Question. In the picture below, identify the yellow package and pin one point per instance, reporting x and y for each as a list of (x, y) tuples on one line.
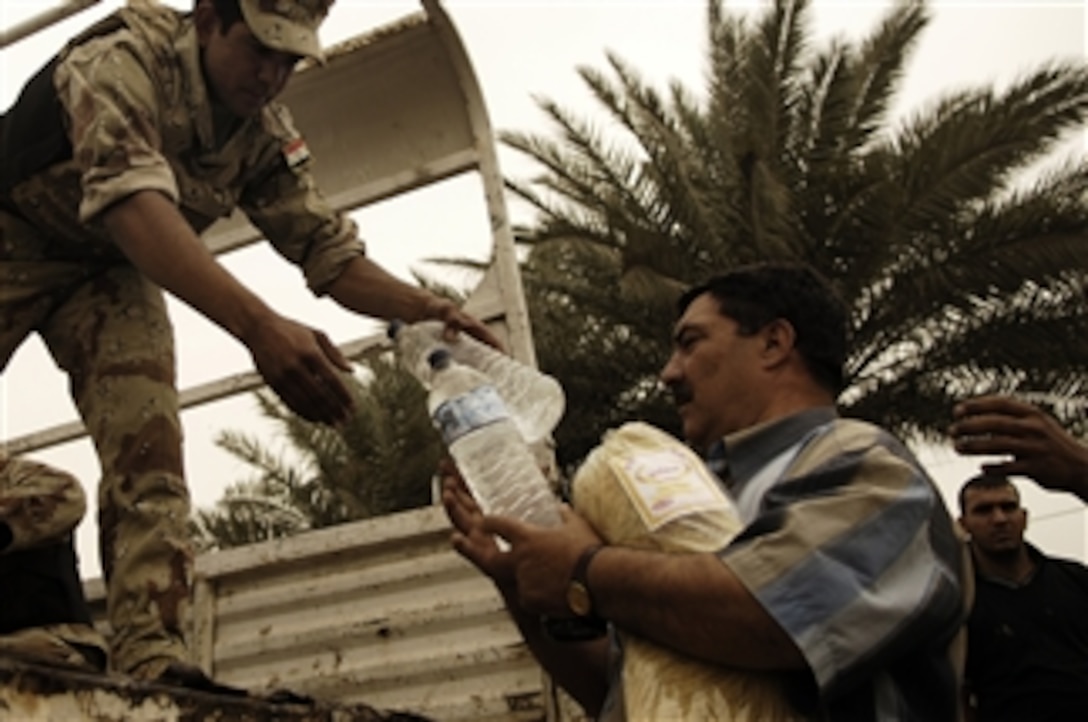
[(642, 488)]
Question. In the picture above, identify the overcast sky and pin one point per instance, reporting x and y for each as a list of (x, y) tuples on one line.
[(521, 49)]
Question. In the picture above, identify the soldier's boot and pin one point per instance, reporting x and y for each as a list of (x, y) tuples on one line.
[(177, 673)]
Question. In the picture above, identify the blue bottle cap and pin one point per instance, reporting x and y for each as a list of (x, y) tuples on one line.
[(439, 358)]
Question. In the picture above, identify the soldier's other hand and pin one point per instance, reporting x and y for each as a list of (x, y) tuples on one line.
[(304, 368)]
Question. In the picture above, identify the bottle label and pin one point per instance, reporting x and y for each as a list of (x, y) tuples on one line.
[(470, 411)]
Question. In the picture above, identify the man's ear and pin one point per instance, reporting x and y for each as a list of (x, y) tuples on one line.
[(779, 338), (205, 20)]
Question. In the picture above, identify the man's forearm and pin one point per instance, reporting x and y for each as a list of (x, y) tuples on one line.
[(691, 603), (580, 668), (158, 240)]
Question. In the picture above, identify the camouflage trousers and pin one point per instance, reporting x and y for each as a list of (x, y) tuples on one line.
[(107, 328)]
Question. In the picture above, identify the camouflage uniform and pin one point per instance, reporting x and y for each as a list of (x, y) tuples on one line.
[(39, 509), (137, 116)]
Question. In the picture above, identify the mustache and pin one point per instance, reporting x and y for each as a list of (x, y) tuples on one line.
[(681, 394)]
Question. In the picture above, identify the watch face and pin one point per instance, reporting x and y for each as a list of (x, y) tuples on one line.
[(578, 599)]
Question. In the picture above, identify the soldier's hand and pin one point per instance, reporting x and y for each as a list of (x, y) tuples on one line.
[(456, 321), (303, 367)]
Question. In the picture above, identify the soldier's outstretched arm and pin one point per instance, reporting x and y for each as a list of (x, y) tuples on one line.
[(38, 504)]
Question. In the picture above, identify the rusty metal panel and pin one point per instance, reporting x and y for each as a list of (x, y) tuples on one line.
[(35, 693), (380, 612)]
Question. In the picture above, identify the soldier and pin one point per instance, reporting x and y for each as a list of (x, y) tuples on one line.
[(144, 130), (43, 613)]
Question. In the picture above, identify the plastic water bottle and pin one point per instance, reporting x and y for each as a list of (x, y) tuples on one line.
[(414, 344), (535, 400), (493, 458)]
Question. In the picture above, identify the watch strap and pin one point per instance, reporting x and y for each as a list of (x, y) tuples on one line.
[(581, 566), (581, 570), (585, 624)]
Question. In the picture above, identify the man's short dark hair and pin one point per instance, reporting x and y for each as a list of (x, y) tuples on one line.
[(228, 12), (985, 481), (757, 294)]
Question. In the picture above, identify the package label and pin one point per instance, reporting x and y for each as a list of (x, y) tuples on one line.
[(668, 484)]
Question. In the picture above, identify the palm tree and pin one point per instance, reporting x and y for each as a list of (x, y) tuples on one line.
[(961, 277), (380, 462)]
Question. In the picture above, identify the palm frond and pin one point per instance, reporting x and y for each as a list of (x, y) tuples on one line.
[(880, 64), (974, 141)]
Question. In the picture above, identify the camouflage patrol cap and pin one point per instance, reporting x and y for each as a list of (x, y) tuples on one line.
[(288, 25)]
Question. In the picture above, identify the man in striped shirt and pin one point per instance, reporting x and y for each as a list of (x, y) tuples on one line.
[(847, 580)]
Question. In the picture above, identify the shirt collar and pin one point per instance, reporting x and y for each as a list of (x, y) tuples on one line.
[(197, 99), (1037, 559), (747, 451), (196, 92)]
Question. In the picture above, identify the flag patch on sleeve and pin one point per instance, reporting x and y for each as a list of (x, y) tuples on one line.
[(296, 152)]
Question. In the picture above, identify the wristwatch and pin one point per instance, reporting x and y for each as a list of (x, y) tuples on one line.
[(579, 598)]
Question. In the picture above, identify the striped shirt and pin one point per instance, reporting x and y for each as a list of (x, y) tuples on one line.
[(852, 551)]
